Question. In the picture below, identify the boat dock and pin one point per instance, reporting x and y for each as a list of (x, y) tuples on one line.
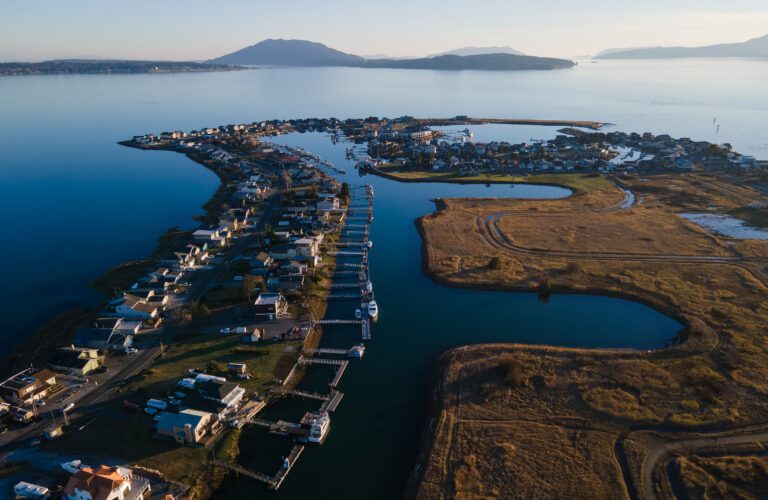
[(339, 322), (273, 482), (358, 287)]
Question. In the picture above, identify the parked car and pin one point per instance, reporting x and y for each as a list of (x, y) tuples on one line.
[(131, 350)]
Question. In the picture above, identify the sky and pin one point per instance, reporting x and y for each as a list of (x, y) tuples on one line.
[(197, 30)]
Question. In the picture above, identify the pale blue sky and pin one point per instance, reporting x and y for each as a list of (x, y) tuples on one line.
[(196, 29)]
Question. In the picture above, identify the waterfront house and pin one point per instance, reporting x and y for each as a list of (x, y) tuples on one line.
[(188, 427), (209, 235), (121, 326), (223, 394), (106, 483), (129, 306), (76, 361), (306, 247), (102, 338), (271, 305), (28, 386)]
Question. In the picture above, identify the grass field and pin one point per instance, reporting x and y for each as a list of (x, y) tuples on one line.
[(648, 231), (716, 377), (130, 432), (263, 361), (742, 477)]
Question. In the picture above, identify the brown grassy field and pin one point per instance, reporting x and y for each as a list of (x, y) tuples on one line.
[(724, 477), (528, 398)]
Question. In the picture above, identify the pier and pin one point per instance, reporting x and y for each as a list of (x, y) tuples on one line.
[(343, 296), (273, 482), (338, 322)]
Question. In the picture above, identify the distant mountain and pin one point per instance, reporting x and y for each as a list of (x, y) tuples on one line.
[(497, 62), (288, 53), (304, 53), (756, 47), (477, 51)]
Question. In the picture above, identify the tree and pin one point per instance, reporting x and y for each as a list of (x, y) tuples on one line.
[(495, 263), (344, 192)]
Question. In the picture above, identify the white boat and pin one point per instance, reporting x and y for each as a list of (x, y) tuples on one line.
[(369, 244), (319, 425), (358, 314), (29, 490), (373, 309), (369, 286), (73, 466)]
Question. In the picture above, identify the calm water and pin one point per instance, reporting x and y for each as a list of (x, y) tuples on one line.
[(375, 430), (73, 203)]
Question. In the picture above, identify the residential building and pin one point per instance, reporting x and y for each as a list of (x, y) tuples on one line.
[(271, 305), (77, 361), (106, 483), (187, 427), (28, 386), (224, 394)]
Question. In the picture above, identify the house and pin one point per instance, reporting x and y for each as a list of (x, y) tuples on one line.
[(77, 361), (222, 393), (252, 337), (260, 263), (106, 483), (272, 305), (328, 205), (108, 333), (306, 247), (187, 427), (133, 307), (287, 283), (28, 386)]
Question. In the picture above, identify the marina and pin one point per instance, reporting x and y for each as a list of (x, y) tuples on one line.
[(315, 425)]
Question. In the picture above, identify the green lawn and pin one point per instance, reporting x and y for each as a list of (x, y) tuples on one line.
[(581, 182), (118, 432), (196, 352)]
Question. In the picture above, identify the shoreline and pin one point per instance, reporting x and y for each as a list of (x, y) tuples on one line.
[(455, 180), (442, 122), (657, 306), (41, 341)]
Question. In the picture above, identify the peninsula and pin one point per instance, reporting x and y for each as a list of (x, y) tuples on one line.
[(217, 331), (98, 67)]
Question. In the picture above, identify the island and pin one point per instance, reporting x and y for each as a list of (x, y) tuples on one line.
[(98, 67), (305, 53)]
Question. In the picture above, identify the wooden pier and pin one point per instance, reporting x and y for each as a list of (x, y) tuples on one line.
[(339, 322), (333, 352), (343, 296), (332, 402), (322, 361), (366, 330), (273, 482)]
